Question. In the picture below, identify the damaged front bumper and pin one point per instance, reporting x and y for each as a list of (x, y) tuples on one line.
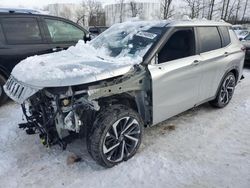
[(19, 91), (54, 113), (57, 118)]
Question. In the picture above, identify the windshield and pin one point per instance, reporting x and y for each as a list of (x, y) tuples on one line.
[(243, 33), (247, 37), (131, 39)]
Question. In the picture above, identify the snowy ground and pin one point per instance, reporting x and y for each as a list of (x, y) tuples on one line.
[(208, 148)]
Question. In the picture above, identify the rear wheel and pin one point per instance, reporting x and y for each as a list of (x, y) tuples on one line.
[(116, 135), (3, 96), (225, 92)]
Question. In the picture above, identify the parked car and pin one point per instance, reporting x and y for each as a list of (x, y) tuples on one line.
[(242, 34), (26, 33), (246, 42), (96, 30), (238, 27), (134, 75), (240, 31)]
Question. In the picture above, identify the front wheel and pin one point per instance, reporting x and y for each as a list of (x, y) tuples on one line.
[(116, 135), (225, 92)]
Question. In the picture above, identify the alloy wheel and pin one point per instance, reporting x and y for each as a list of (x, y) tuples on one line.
[(121, 139), (227, 89)]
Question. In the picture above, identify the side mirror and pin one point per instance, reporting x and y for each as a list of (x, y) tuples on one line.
[(86, 37), (240, 39)]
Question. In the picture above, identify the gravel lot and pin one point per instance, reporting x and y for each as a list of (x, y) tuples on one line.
[(207, 148)]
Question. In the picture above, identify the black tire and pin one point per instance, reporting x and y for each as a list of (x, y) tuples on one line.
[(3, 96), (117, 127), (225, 92)]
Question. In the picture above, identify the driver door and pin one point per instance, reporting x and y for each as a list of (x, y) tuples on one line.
[(175, 75), (62, 34)]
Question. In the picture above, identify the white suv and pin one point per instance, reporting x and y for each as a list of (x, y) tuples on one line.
[(135, 74)]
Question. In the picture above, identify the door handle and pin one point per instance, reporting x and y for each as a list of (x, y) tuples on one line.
[(226, 54), (56, 49), (196, 62)]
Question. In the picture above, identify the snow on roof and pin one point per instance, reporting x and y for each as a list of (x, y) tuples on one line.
[(21, 10), (197, 22)]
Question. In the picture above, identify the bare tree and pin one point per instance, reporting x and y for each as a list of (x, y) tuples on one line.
[(81, 14), (226, 10), (135, 9), (244, 12), (91, 11), (122, 5), (95, 12), (167, 11), (203, 9), (238, 7), (195, 7), (211, 9), (232, 8), (223, 8)]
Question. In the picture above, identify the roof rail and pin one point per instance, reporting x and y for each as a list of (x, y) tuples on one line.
[(19, 10)]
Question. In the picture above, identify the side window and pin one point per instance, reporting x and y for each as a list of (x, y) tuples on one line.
[(225, 36), (247, 37), (21, 30), (61, 31), (181, 44), (209, 38)]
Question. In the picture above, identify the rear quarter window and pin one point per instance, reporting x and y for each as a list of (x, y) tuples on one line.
[(21, 30), (247, 37), (225, 36), (209, 38)]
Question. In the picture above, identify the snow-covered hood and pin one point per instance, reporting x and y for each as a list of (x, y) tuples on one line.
[(78, 65)]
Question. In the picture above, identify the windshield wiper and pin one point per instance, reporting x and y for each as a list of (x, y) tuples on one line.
[(100, 57)]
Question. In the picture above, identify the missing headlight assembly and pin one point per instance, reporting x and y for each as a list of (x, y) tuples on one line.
[(61, 114)]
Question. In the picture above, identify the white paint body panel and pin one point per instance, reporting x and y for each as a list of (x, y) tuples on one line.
[(181, 84)]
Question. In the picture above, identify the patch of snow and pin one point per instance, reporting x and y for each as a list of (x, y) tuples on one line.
[(113, 49), (208, 148)]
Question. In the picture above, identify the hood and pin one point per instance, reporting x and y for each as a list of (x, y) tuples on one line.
[(77, 65)]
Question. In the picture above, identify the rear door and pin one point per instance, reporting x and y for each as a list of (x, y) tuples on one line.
[(62, 33), (175, 75), (23, 37), (214, 58)]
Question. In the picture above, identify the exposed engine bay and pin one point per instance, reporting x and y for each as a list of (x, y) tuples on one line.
[(60, 114)]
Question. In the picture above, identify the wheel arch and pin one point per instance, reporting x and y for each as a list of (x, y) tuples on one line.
[(235, 71), (236, 74), (123, 98), (133, 100)]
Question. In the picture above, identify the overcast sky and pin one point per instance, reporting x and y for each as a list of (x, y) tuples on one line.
[(42, 3), (38, 3)]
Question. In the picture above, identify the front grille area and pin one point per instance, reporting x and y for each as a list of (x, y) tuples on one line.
[(18, 91)]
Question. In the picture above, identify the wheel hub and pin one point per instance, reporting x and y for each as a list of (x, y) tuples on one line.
[(121, 139), (227, 89)]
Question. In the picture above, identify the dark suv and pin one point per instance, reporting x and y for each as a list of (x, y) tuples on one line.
[(25, 33), (96, 30)]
